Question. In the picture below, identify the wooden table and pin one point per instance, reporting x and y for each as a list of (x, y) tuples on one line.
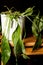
[(29, 43)]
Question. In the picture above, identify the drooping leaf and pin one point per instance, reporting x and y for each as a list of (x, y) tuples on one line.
[(38, 42), (24, 51), (18, 43), (35, 26), (28, 11), (37, 31), (20, 49), (5, 55), (25, 56), (16, 35), (15, 38), (34, 30), (41, 24)]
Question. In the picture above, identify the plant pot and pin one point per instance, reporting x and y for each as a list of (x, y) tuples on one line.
[(6, 22)]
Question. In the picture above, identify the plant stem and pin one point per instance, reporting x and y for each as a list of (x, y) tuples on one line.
[(16, 62), (32, 22)]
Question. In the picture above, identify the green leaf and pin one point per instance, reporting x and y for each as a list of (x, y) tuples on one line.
[(41, 24), (16, 35), (25, 56), (41, 19), (16, 15), (28, 11), (18, 43), (15, 38), (5, 55), (37, 31), (38, 42), (34, 31), (35, 26), (19, 48)]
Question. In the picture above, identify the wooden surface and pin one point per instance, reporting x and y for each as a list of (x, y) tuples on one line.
[(29, 43)]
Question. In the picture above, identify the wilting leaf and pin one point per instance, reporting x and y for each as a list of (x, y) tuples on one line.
[(20, 47), (5, 55), (41, 24), (23, 51), (38, 42), (28, 11), (37, 31), (18, 43), (34, 31), (15, 37), (25, 56)]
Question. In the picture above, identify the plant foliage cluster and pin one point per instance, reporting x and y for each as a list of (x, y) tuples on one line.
[(19, 48)]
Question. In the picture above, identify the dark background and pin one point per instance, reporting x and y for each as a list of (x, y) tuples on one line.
[(21, 5)]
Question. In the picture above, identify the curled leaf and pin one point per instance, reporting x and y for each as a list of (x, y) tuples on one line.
[(28, 11)]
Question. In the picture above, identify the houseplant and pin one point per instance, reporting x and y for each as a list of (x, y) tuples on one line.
[(13, 33), (37, 29)]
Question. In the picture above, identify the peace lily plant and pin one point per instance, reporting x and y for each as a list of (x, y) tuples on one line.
[(37, 29), (12, 26)]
